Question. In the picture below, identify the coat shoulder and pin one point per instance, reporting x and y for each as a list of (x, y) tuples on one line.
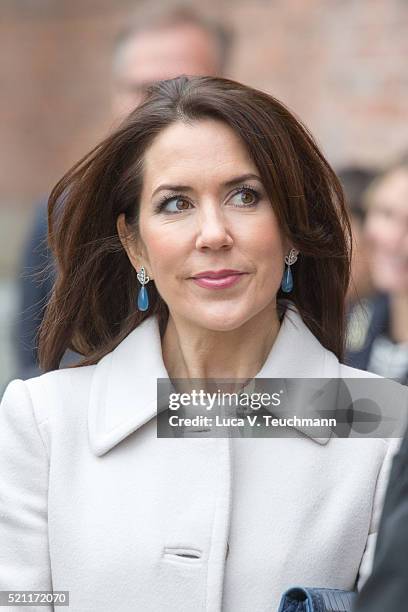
[(59, 391), (350, 372)]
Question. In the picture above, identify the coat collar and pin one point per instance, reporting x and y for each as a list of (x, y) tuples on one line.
[(123, 388)]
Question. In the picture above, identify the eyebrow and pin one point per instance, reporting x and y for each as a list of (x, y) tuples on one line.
[(230, 183)]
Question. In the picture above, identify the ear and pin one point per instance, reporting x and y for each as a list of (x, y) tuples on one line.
[(128, 241), (288, 246)]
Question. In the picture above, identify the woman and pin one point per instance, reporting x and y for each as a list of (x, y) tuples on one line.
[(384, 329), (177, 239)]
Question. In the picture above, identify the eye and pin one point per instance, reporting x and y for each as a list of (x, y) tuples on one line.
[(174, 204), (246, 197)]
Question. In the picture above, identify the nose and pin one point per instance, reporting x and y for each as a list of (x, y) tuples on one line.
[(212, 229)]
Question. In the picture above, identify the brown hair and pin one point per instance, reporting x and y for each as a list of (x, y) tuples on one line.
[(92, 306)]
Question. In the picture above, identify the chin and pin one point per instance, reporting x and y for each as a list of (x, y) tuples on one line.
[(220, 321)]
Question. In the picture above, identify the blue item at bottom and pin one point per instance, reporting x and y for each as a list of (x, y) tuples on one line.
[(300, 599)]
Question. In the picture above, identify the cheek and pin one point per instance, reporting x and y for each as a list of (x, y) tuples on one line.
[(267, 244), (165, 248)]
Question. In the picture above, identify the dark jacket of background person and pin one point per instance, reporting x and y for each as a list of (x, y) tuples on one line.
[(367, 323), (35, 281), (386, 590)]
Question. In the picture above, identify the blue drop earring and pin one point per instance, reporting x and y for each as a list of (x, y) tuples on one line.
[(287, 279), (142, 296)]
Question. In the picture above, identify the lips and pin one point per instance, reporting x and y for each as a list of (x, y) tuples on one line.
[(218, 279), (217, 273)]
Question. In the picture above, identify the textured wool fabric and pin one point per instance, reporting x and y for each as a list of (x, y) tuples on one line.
[(92, 502)]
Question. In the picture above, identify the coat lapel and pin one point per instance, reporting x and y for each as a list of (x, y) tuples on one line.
[(123, 388)]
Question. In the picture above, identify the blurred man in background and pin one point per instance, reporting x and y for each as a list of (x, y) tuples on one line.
[(162, 46), (386, 231), (378, 324)]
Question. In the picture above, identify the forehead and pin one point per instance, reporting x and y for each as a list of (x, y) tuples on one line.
[(168, 52), (205, 150)]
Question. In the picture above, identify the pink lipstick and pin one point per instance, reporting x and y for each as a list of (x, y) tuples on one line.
[(218, 279)]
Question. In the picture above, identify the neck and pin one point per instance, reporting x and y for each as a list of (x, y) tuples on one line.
[(190, 351), (399, 317)]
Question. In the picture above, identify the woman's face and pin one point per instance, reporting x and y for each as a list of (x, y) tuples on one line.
[(387, 233), (204, 210)]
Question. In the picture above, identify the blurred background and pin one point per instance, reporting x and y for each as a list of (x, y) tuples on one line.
[(340, 65)]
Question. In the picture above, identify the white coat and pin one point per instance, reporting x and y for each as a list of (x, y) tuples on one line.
[(92, 502)]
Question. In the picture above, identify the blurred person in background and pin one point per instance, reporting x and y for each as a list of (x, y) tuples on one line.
[(160, 46), (385, 348)]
